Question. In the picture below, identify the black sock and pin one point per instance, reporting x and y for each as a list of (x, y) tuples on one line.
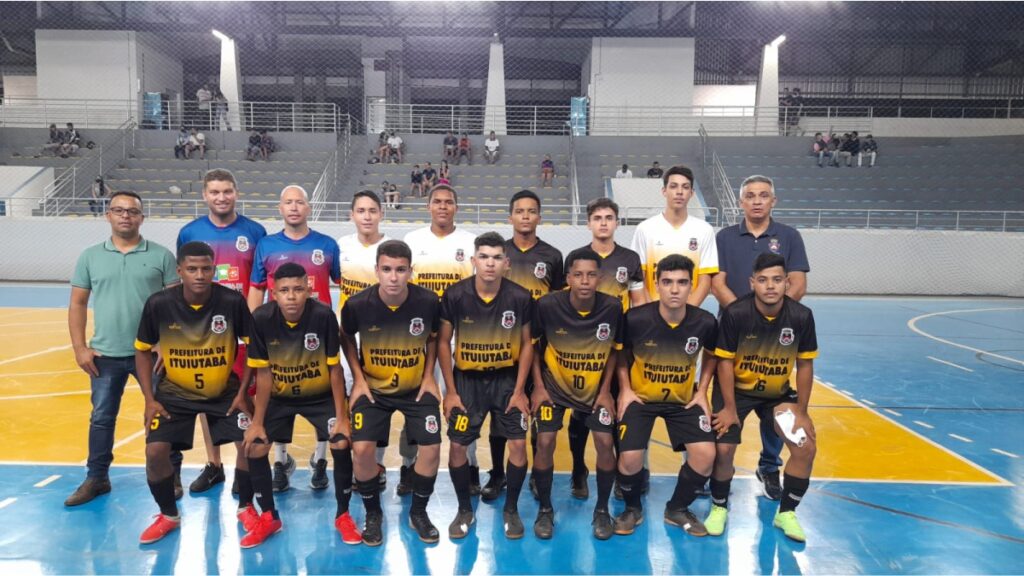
[(544, 479), (422, 488), (369, 490), (262, 483), (342, 478), (605, 482), (460, 479), (687, 485), (720, 492), (793, 490), (245, 488), (630, 486), (515, 477), (498, 456), (578, 434), (163, 493)]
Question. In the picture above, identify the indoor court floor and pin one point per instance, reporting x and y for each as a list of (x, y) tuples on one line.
[(918, 406)]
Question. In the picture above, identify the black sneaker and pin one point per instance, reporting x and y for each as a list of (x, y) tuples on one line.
[(210, 476), (459, 528), (373, 535), (282, 470), (626, 523), (319, 479), (770, 486), (544, 526), (602, 524), (513, 524), (382, 478), (494, 487), (178, 491), (88, 490), (580, 489), (533, 488), (404, 487), (425, 529), (474, 481), (686, 520)]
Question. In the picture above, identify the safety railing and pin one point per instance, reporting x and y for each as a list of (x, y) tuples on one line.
[(633, 215), (880, 219), (574, 184), (438, 119), (76, 180), (714, 169), (41, 112)]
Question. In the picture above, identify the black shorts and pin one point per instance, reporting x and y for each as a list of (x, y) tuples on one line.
[(685, 426), (371, 421), (484, 393), (279, 421), (745, 404), (179, 430), (548, 418)]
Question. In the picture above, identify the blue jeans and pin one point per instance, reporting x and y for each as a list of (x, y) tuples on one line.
[(771, 443), (107, 389)]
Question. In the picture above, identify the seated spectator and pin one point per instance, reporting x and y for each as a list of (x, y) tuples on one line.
[(491, 147), (820, 149), (382, 146), (71, 141), (392, 196), (834, 144), (196, 141), (266, 145), (465, 149), (395, 146), (444, 175), (655, 171), (451, 146), (849, 149), (181, 144), (429, 177), (100, 190), (53, 141), (252, 150), (416, 188), (547, 171), (625, 172), (868, 148)]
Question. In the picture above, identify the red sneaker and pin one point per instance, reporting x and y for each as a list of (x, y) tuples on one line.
[(266, 526), (347, 528), (248, 516), (161, 527)]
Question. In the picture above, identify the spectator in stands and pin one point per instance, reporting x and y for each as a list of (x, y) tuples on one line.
[(868, 148), (71, 141), (54, 141), (834, 144), (100, 190), (253, 148), (451, 146), (547, 171), (196, 141), (625, 172), (444, 175), (786, 99), (429, 177), (204, 97), (266, 145), (181, 144), (849, 149), (382, 146), (385, 187), (220, 109), (655, 171), (392, 196), (465, 149), (491, 147), (820, 149), (395, 144), (416, 188)]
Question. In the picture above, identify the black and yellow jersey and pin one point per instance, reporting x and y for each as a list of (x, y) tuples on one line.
[(576, 346), (764, 350), (298, 355), (198, 343), (538, 269), (662, 357), (620, 272), (488, 334), (392, 342)]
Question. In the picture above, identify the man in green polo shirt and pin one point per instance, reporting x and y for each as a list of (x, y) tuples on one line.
[(120, 274)]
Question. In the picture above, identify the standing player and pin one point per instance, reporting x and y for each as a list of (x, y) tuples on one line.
[(675, 232), (318, 254), (392, 362), (577, 332), (197, 326), (761, 338), (233, 238), (298, 373), (490, 319), (662, 344)]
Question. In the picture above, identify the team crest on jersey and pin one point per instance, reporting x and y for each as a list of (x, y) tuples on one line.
[(786, 337), (604, 331), (318, 256), (604, 417), (621, 274), (244, 421), (312, 341), (242, 244), (692, 345), (218, 324), (704, 424), (416, 326), (540, 270), (431, 424), (693, 244), (460, 255), (773, 245), (508, 319)]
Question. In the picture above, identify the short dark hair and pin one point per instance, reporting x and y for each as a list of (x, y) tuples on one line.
[(219, 174), (290, 270), (430, 195), (677, 170), (366, 194), (599, 203), (674, 262), (394, 249), (127, 193), (195, 249), (530, 194), (585, 253), (489, 239), (768, 260)]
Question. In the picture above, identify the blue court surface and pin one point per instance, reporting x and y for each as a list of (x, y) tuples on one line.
[(920, 417)]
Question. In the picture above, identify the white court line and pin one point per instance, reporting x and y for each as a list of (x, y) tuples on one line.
[(847, 392), (912, 324), (1004, 453), (34, 354), (7, 502), (961, 438), (46, 482), (33, 323), (948, 363), (128, 439), (868, 402), (893, 412), (47, 373), (48, 395), (924, 424)]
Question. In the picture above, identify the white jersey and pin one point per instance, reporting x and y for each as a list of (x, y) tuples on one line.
[(656, 238), (358, 263), (439, 262)]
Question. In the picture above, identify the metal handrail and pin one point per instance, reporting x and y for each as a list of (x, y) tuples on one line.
[(65, 188), (574, 184), (719, 178)]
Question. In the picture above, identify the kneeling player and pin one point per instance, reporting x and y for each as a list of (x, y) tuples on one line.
[(662, 343), (760, 337), (298, 373), (577, 331), (392, 370), (198, 325)]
